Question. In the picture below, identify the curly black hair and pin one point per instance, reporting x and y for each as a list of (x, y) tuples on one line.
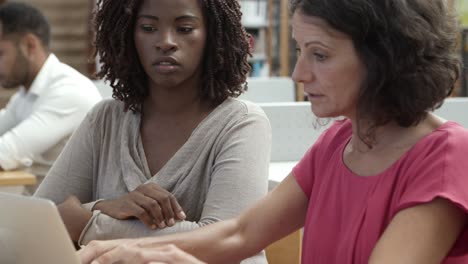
[(409, 49), (225, 65), (20, 18)]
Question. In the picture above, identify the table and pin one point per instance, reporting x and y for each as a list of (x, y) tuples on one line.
[(14, 181)]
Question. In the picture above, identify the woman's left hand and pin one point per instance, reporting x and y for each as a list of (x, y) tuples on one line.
[(74, 216), (133, 251)]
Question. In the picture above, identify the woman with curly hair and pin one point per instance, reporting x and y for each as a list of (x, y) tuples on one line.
[(388, 183), (176, 150)]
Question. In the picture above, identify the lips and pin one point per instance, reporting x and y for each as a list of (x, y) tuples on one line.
[(166, 65), (166, 61), (313, 94), (314, 97)]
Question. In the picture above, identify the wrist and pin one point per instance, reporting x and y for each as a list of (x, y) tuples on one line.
[(75, 217), (81, 221), (99, 205)]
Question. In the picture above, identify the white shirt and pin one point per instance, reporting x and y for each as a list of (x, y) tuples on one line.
[(35, 123)]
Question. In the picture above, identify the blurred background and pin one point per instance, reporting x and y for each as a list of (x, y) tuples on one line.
[(268, 21)]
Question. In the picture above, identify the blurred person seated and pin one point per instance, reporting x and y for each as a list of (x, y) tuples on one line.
[(52, 98)]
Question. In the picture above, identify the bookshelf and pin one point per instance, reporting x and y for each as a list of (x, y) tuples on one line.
[(269, 22), (257, 22)]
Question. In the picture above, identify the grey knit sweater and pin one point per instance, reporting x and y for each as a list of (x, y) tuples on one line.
[(218, 172)]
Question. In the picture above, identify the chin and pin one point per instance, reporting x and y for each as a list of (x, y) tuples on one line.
[(324, 114), (318, 112), (165, 82)]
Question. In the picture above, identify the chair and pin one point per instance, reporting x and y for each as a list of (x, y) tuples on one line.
[(269, 89), (286, 250), (455, 109), (292, 126)]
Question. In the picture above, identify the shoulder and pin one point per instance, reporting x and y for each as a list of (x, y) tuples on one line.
[(107, 109), (455, 133), (234, 119), (240, 111), (65, 73), (449, 139), (243, 108), (438, 159), (435, 167), (62, 77)]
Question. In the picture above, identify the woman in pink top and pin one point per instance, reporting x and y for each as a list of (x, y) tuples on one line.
[(386, 184)]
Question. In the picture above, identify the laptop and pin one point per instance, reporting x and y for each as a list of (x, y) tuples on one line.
[(31, 231)]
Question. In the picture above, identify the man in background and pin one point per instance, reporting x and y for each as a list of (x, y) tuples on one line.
[(52, 99)]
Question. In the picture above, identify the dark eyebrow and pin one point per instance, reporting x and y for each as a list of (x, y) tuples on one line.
[(178, 18), (188, 17), (147, 16)]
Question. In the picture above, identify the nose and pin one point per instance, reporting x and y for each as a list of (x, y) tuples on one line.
[(303, 71), (166, 42)]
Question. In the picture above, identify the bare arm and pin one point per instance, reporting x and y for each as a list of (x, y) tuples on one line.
[(283, 210), (420, 234)]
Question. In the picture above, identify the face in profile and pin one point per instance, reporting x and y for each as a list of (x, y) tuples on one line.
[(328, 66), (13, 64), (170, 37)]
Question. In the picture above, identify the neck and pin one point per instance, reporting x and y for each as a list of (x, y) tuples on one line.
[(394, 136), (174, 102), (383, 136)]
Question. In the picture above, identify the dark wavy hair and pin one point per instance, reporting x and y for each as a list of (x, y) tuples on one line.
[(225, 66), (17, 19), (408, 47)]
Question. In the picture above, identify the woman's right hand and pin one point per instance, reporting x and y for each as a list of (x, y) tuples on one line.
[(150, 203), (133, 251)]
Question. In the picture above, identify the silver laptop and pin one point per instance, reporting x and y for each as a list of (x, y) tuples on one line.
[(32, 232)]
